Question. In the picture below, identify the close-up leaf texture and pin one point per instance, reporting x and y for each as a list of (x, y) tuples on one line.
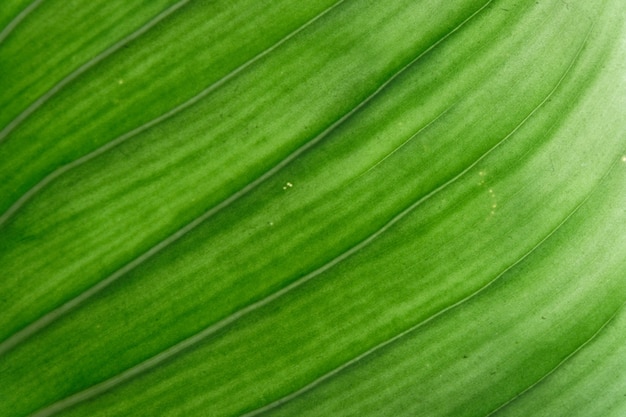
[(313, 208)]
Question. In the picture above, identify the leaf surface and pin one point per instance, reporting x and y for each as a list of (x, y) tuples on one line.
[(341, 208)]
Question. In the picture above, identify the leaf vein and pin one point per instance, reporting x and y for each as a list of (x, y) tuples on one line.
[(19, 18), (560, 364), (33, 107), (15, 207), (58, 312), (441, 312), (185, 344)]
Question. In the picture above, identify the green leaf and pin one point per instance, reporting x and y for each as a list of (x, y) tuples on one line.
[(336, 208)]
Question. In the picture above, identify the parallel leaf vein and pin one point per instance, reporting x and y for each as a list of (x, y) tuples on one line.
[(185, 344), (474, 295), (34, 106), (19, 18), (558, 366), (58, 312), (151, 123)]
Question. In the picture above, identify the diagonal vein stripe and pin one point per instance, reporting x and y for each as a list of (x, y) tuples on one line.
[(47, 180), (86, 66), (19, 19), (58, 312)]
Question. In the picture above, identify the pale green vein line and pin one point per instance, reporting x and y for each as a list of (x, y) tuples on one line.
[(413, 328), (560, 364), (185, 344), (19, 19), (417, 133), (86, 66), (165, 116), (413, 136), (53, 315)]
